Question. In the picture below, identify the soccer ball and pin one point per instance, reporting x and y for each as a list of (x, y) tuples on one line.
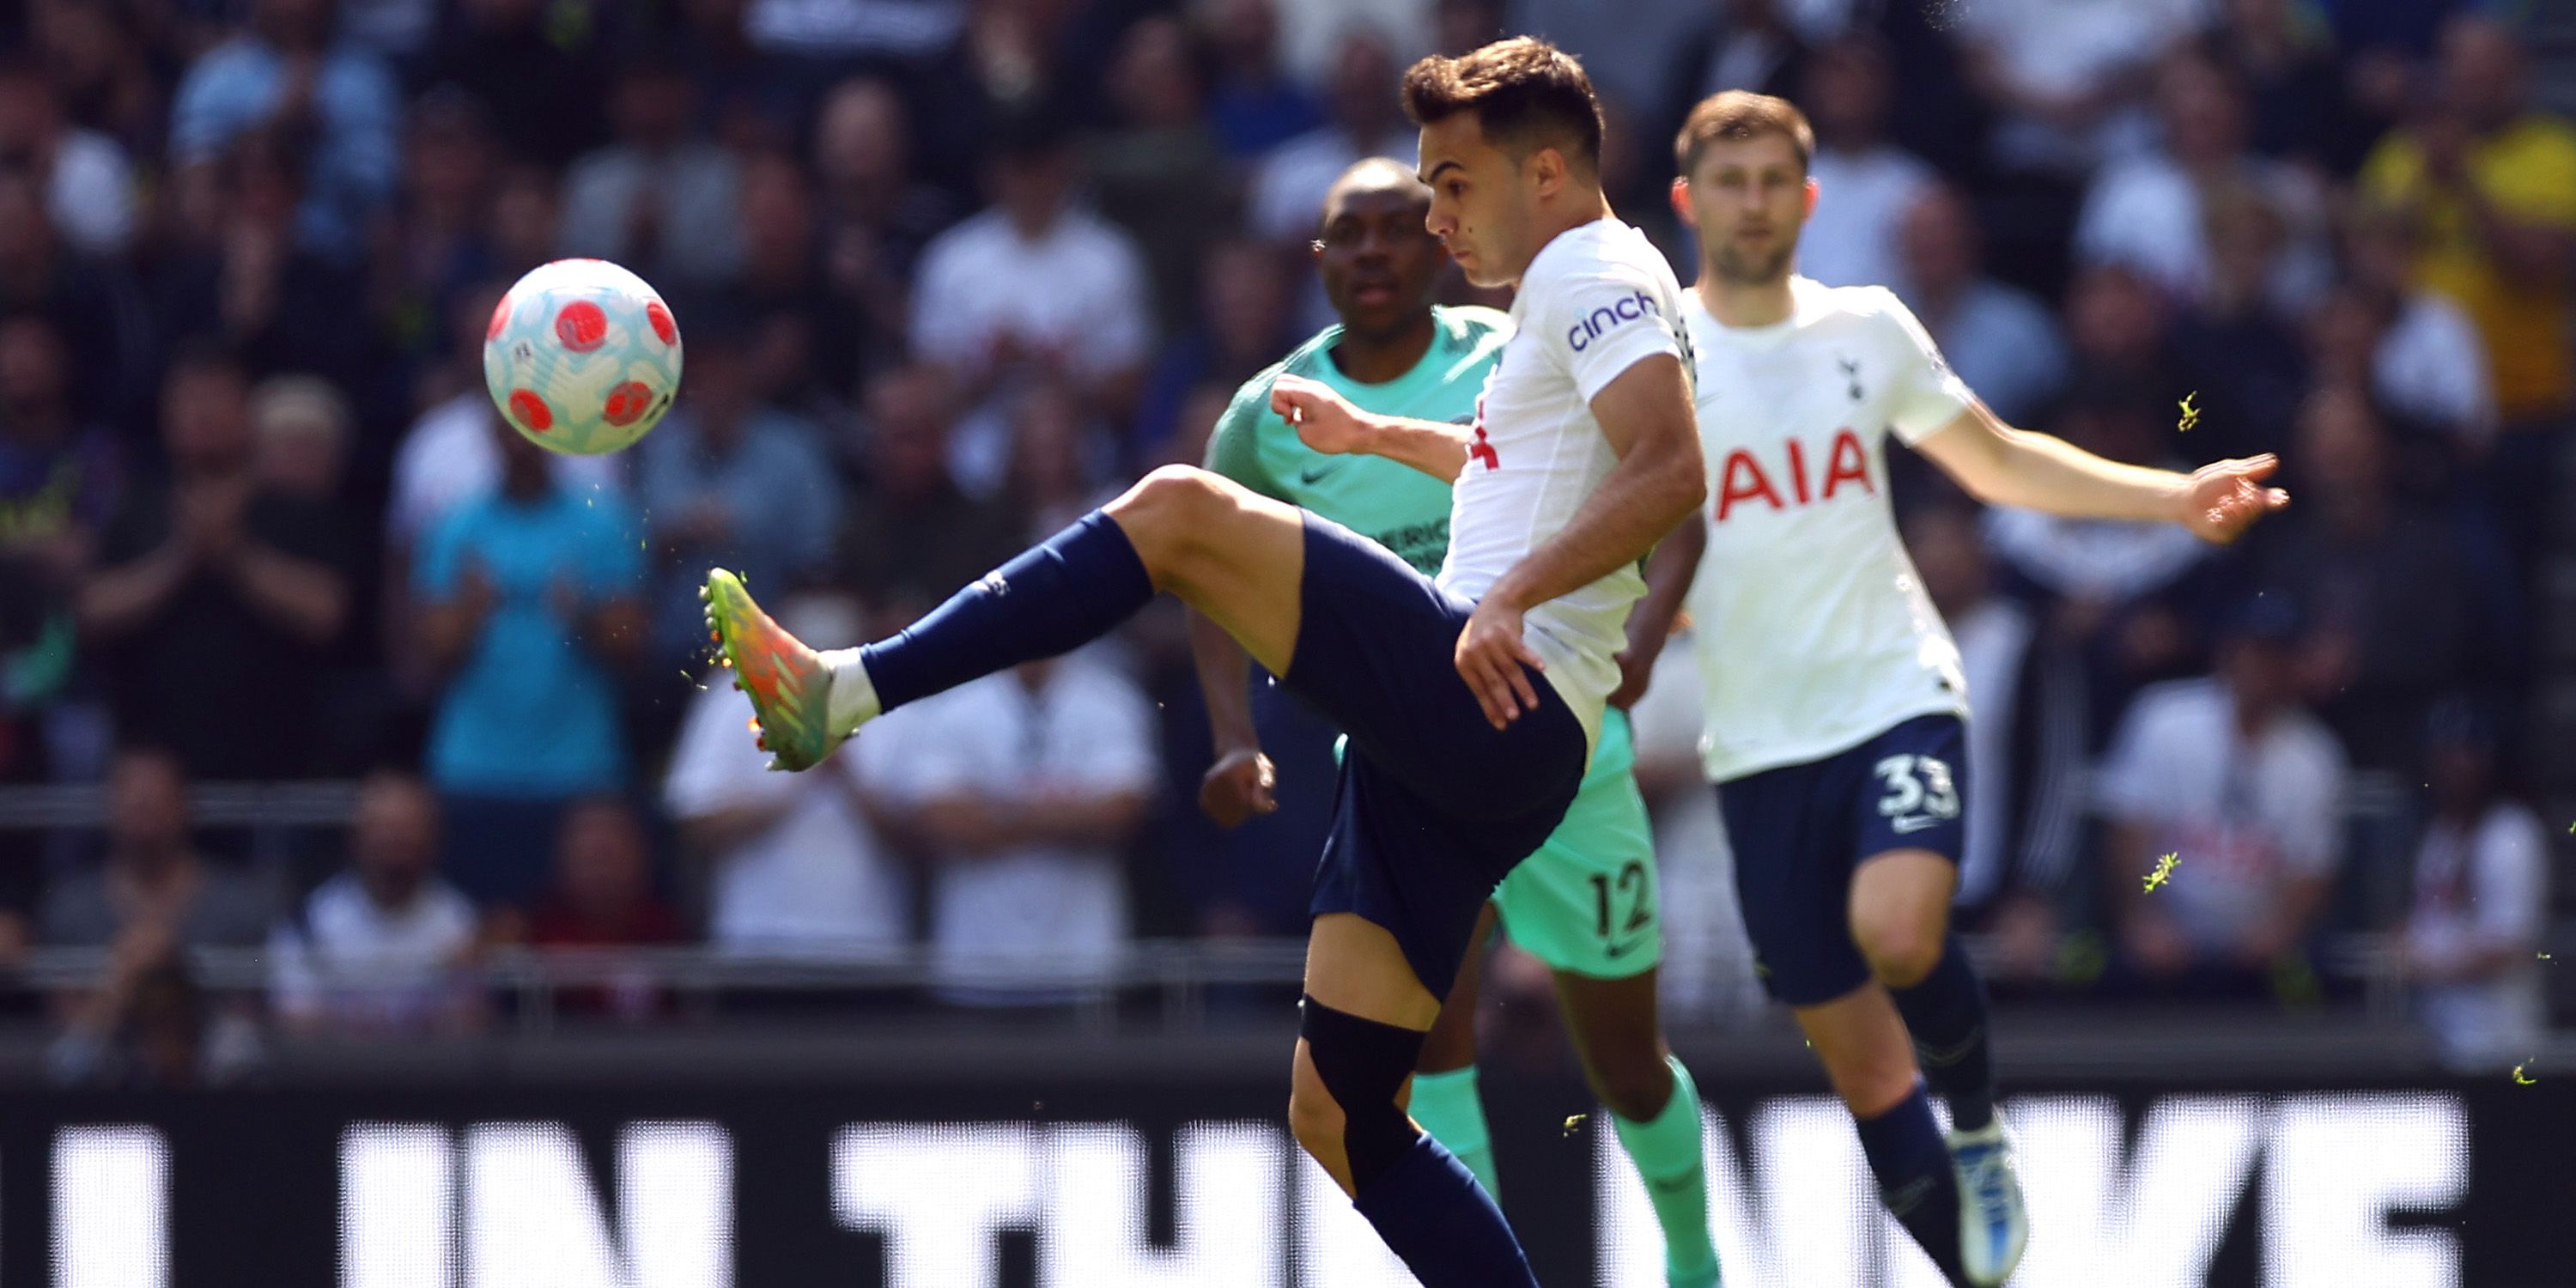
[(582, 357)]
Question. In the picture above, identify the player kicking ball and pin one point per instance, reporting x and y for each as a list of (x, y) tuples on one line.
[(1585, 902), (1472, 701), (1835, 699)]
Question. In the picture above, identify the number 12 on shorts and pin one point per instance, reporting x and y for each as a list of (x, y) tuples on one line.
[(1632, 887), (1920, 792)]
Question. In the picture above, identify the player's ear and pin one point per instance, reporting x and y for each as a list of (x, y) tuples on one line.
[(1811, 198), (1682, 208), (1547, 168)]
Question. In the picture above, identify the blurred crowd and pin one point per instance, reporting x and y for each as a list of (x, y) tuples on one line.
[(949, 271)]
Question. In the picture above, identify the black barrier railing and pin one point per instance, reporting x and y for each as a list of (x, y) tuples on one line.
[(1173, 976)]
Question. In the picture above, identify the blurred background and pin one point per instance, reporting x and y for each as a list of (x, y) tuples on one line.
[(384, 873)]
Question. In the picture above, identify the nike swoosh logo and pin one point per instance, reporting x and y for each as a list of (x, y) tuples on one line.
[(1915, 824), (1316, 475)]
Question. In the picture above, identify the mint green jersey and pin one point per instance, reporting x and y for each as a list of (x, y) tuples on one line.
[(1397, 506)]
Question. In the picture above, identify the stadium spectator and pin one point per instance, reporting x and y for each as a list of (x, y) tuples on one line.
[(1159, 171), (381, 946), (152, 903), (794, 863), (2233, 346), (1057, 464), (912, 536), (2391, 618), (1025, 786), (2492, 186), (246, 282), (2232, 777), (89, 188), (603, 898), (542, 78), (657, 198), (1035, 283), (2115, 331), (1995, 635), (2298, 110), (326, 100), (2152, 212), (1865, 184), (876, 213), (1366, 121), (103, 74), (60, 475), (216, 593), (807, 340), (2000, 340), (530, 610), (729, 480), (450, 456), (435, 243), (1253, 106), (1243, 324), (2481, 899), (1740, 44), (87, 303), (2425, 359), (300, 426), (2063, 77), (152, 882)]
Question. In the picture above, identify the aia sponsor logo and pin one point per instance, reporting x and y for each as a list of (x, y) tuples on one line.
[(1744, 480)]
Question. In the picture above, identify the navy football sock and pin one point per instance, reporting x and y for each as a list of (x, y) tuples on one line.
[(1052, 598), (1429, 1209), (1946, 1013), (1912, 1165)]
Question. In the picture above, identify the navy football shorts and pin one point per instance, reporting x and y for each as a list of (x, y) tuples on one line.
[(1799, 832), (1434, 803)]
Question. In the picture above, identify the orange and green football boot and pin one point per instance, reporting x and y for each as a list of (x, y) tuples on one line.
[(789, 686)]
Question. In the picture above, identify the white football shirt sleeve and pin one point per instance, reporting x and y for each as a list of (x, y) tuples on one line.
[(1604, 319), (1928, 395)]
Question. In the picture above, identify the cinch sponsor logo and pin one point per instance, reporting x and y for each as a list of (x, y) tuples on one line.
[(1610, 315)]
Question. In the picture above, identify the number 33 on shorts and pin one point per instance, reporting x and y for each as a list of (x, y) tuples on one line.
[(1920, 792)]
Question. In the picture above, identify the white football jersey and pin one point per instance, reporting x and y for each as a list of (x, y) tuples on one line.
[(1593, 302), (1813, 631)]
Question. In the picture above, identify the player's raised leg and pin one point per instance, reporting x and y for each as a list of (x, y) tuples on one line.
[(1235, 556), (1359, 1034), (1654, 1106), (1446, 1099), (1900, 918)]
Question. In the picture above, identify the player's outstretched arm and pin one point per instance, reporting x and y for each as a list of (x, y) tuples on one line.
[(2001, 465), (1238, 784), (1329, 423), (1645, 413)]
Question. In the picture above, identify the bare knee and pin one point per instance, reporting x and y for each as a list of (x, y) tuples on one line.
[(1902, 950), (1165, 510), (1872, 1081), (1315, 1121), (1635, 1084)]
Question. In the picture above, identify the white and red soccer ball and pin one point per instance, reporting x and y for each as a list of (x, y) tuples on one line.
[(582, 357)]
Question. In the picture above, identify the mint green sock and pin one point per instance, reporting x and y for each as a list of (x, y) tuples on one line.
[(1667, 1153), (1447, 1106)]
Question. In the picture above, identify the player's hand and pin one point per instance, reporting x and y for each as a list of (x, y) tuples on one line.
[(1325, 421), (1238, 786), (2224, 498), (1636, 667), (1491, 657)]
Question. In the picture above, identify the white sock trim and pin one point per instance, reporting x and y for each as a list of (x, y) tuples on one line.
[(852, 699)]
